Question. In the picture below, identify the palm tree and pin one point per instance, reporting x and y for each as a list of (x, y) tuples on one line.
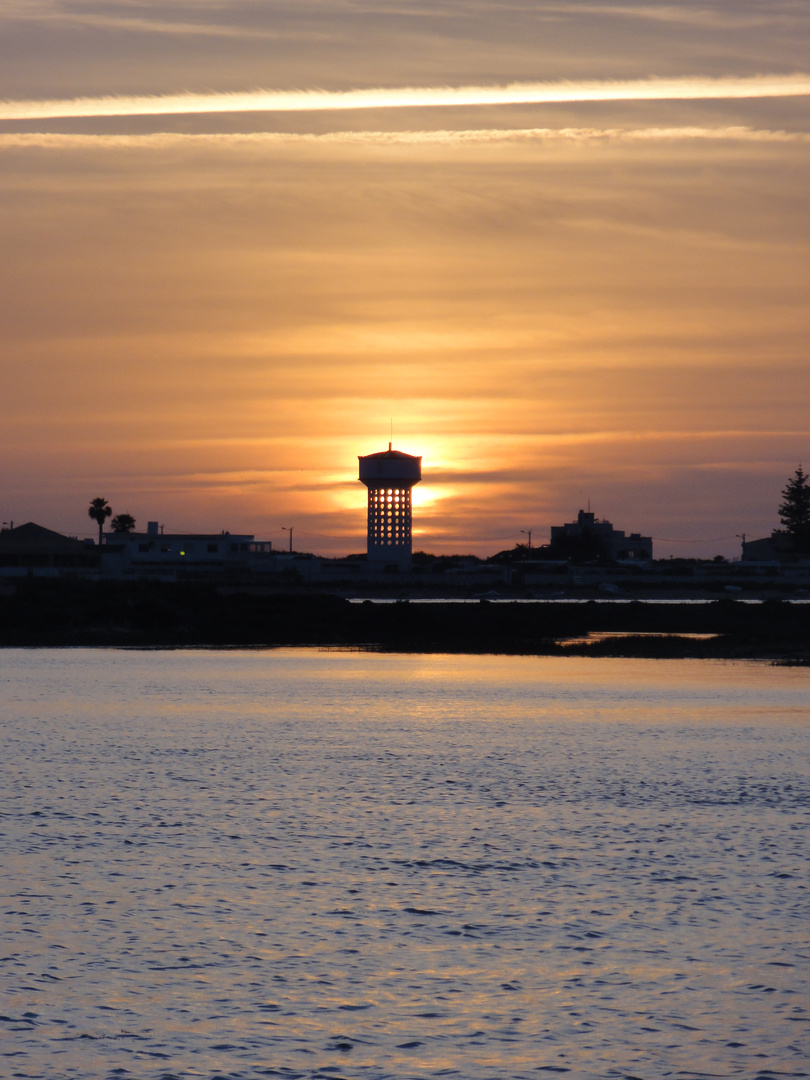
[(123, 523), (99, 511)]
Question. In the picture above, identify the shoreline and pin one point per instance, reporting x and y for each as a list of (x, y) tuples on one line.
[(177, 615)]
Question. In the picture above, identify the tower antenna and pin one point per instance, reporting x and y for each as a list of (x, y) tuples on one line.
[(391, 433)]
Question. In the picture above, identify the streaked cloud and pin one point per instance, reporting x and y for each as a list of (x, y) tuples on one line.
[(155, 26), (653, 89), (705, 15), (159, 140), (145, 18)]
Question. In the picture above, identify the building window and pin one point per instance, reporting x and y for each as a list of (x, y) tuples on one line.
[(212, 548)]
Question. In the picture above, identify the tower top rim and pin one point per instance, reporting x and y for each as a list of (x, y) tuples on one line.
[(389, 455)]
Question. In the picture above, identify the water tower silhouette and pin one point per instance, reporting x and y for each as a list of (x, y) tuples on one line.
[(389, 477)]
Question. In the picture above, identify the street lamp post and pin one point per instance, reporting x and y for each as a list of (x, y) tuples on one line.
[(290, 531)]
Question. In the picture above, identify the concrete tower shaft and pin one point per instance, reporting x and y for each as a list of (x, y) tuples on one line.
[(389, 477)]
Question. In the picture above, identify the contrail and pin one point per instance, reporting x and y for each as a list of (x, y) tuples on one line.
[(653, 89)]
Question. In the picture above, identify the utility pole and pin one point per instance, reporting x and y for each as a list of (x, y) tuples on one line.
[(290, 531), (528, 532)]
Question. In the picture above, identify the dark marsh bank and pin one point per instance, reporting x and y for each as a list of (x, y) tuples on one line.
[(159, 614)]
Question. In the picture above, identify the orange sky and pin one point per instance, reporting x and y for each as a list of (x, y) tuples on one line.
[(206, 316)]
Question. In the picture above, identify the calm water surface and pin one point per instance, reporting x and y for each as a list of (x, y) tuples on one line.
[(332, 864)]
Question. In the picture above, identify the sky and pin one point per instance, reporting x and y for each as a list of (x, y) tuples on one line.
[(559, 249)]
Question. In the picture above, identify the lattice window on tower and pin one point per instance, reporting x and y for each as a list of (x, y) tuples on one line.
[(389, 516)]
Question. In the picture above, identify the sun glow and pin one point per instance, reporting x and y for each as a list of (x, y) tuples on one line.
[(614, 310), (428, 497)]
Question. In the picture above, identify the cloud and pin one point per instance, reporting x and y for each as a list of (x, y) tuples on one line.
[(162, 140), (148, 18), (653, 89), (153, 26), (702, 16)]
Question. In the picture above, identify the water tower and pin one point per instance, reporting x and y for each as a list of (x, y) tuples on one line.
[(389, 477)]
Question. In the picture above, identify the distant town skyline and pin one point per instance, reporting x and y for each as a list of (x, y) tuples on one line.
[(542, 536), (565, 250)]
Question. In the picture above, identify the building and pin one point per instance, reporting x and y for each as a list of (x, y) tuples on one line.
[(169, 555), (32, 550), (389, 476), (779, 547), (588, 536)]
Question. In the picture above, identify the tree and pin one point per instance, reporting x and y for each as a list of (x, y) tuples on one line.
[(123, 523), (99, 511), (794, 512)]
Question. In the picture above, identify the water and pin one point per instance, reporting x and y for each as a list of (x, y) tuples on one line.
[(334, 864)]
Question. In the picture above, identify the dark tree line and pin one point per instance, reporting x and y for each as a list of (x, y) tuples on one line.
[(794, 511), (100, 510)]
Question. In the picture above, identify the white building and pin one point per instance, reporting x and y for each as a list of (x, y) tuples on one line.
[(158, 554)]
